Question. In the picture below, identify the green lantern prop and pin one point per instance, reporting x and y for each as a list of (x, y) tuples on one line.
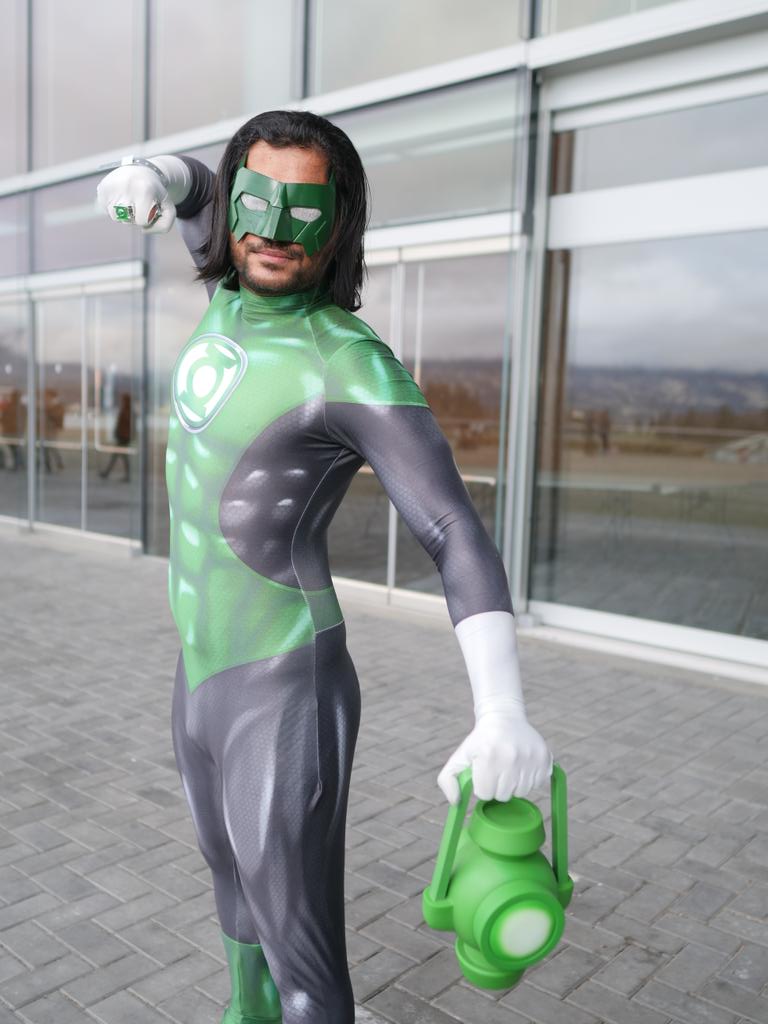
[(494, 887)]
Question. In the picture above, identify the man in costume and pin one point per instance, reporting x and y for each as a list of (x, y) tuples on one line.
[(277, 400)]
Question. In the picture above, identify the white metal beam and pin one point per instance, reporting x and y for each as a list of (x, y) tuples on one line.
[(615, 38), (452, 229), (697, 649), (702, 205), (719, 90), (78, 280)]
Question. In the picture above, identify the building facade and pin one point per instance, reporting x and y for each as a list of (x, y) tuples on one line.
[(566, 248)]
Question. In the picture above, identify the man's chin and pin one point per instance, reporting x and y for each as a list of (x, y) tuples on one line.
[(272, 284), (275, 282)]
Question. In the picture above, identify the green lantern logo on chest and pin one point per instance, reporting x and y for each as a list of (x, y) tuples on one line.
[(208, 371)]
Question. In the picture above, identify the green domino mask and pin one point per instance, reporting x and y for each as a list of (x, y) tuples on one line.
[(286, 211)]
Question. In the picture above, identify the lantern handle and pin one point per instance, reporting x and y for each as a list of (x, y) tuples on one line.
[(559, 801), (445, 855), (455, 819)]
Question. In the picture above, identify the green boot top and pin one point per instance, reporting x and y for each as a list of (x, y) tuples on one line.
[(255, 999)]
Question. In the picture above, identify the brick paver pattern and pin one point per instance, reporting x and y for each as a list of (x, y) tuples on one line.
[(106, 906)]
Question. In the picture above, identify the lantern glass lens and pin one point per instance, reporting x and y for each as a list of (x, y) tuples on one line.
[(523, 931)]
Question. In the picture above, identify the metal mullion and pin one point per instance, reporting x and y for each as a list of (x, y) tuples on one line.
[(33, 312), (521, 467), (30, 85), (505, 433), (301, 48), (83, 412), (146, 68), (397, 317), (419, 333)]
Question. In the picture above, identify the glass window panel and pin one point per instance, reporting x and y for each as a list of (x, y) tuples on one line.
[(213, 61), (13, 88), (455, 348), (60, 412), (447, 154), (559, 15), (113, 349), (87, 92), (175, 305), (357, 537), (652, 487), (365, 40), (69, 230), (675, 144), (14, 334), (14, 235)]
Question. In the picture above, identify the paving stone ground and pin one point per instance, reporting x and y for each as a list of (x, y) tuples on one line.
[(106, 907)]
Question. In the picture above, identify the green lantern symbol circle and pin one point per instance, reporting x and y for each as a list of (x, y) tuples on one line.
[(207, 372)]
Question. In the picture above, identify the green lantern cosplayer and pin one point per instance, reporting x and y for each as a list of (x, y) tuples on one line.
[(278, 398)]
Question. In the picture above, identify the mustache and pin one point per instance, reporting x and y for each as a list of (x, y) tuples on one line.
[(284, 247)]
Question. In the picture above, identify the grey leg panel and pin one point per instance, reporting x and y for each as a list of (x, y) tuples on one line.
[(282, 732)]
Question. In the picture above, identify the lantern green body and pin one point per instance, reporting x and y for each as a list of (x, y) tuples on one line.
[(494, 887)]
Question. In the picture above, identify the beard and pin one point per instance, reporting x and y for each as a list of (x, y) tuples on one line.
[(297, 275)]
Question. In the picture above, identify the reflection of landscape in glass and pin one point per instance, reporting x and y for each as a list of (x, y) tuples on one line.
[(455, 348), (86, 413), (652, 492), (357, 536), (454, 329), (13, 409), (465, 396)]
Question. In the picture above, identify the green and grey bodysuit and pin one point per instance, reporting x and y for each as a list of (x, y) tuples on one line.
[(276, 403)]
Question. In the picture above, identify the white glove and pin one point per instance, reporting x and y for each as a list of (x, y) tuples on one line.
[(149, 197), (507, 755)]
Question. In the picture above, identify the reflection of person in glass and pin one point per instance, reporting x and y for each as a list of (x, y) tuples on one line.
[(51, 425), (13, 424), (604, 430), (277, 400), (122, 438)]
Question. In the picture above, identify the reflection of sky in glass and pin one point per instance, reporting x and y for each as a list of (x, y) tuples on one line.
[(445, 154), (465, 302), (13, 69), (359, 41), (87, 84), (242, 73), (71, 232), (699, 303), (14, 232), (699, 140), (559, 15), (465, 306)]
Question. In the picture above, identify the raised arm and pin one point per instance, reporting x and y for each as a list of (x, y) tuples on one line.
[(374, 408), (152, 193)]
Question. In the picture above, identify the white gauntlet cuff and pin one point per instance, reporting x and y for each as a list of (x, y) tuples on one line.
[(488, 643)]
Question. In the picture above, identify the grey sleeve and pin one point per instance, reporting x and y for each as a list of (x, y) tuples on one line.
[(408, 452), (194, 213)]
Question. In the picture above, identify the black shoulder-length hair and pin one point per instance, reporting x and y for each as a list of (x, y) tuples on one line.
[(346, 266)]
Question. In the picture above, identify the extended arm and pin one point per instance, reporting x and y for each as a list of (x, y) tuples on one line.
[(403, 444), (153, 193)]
